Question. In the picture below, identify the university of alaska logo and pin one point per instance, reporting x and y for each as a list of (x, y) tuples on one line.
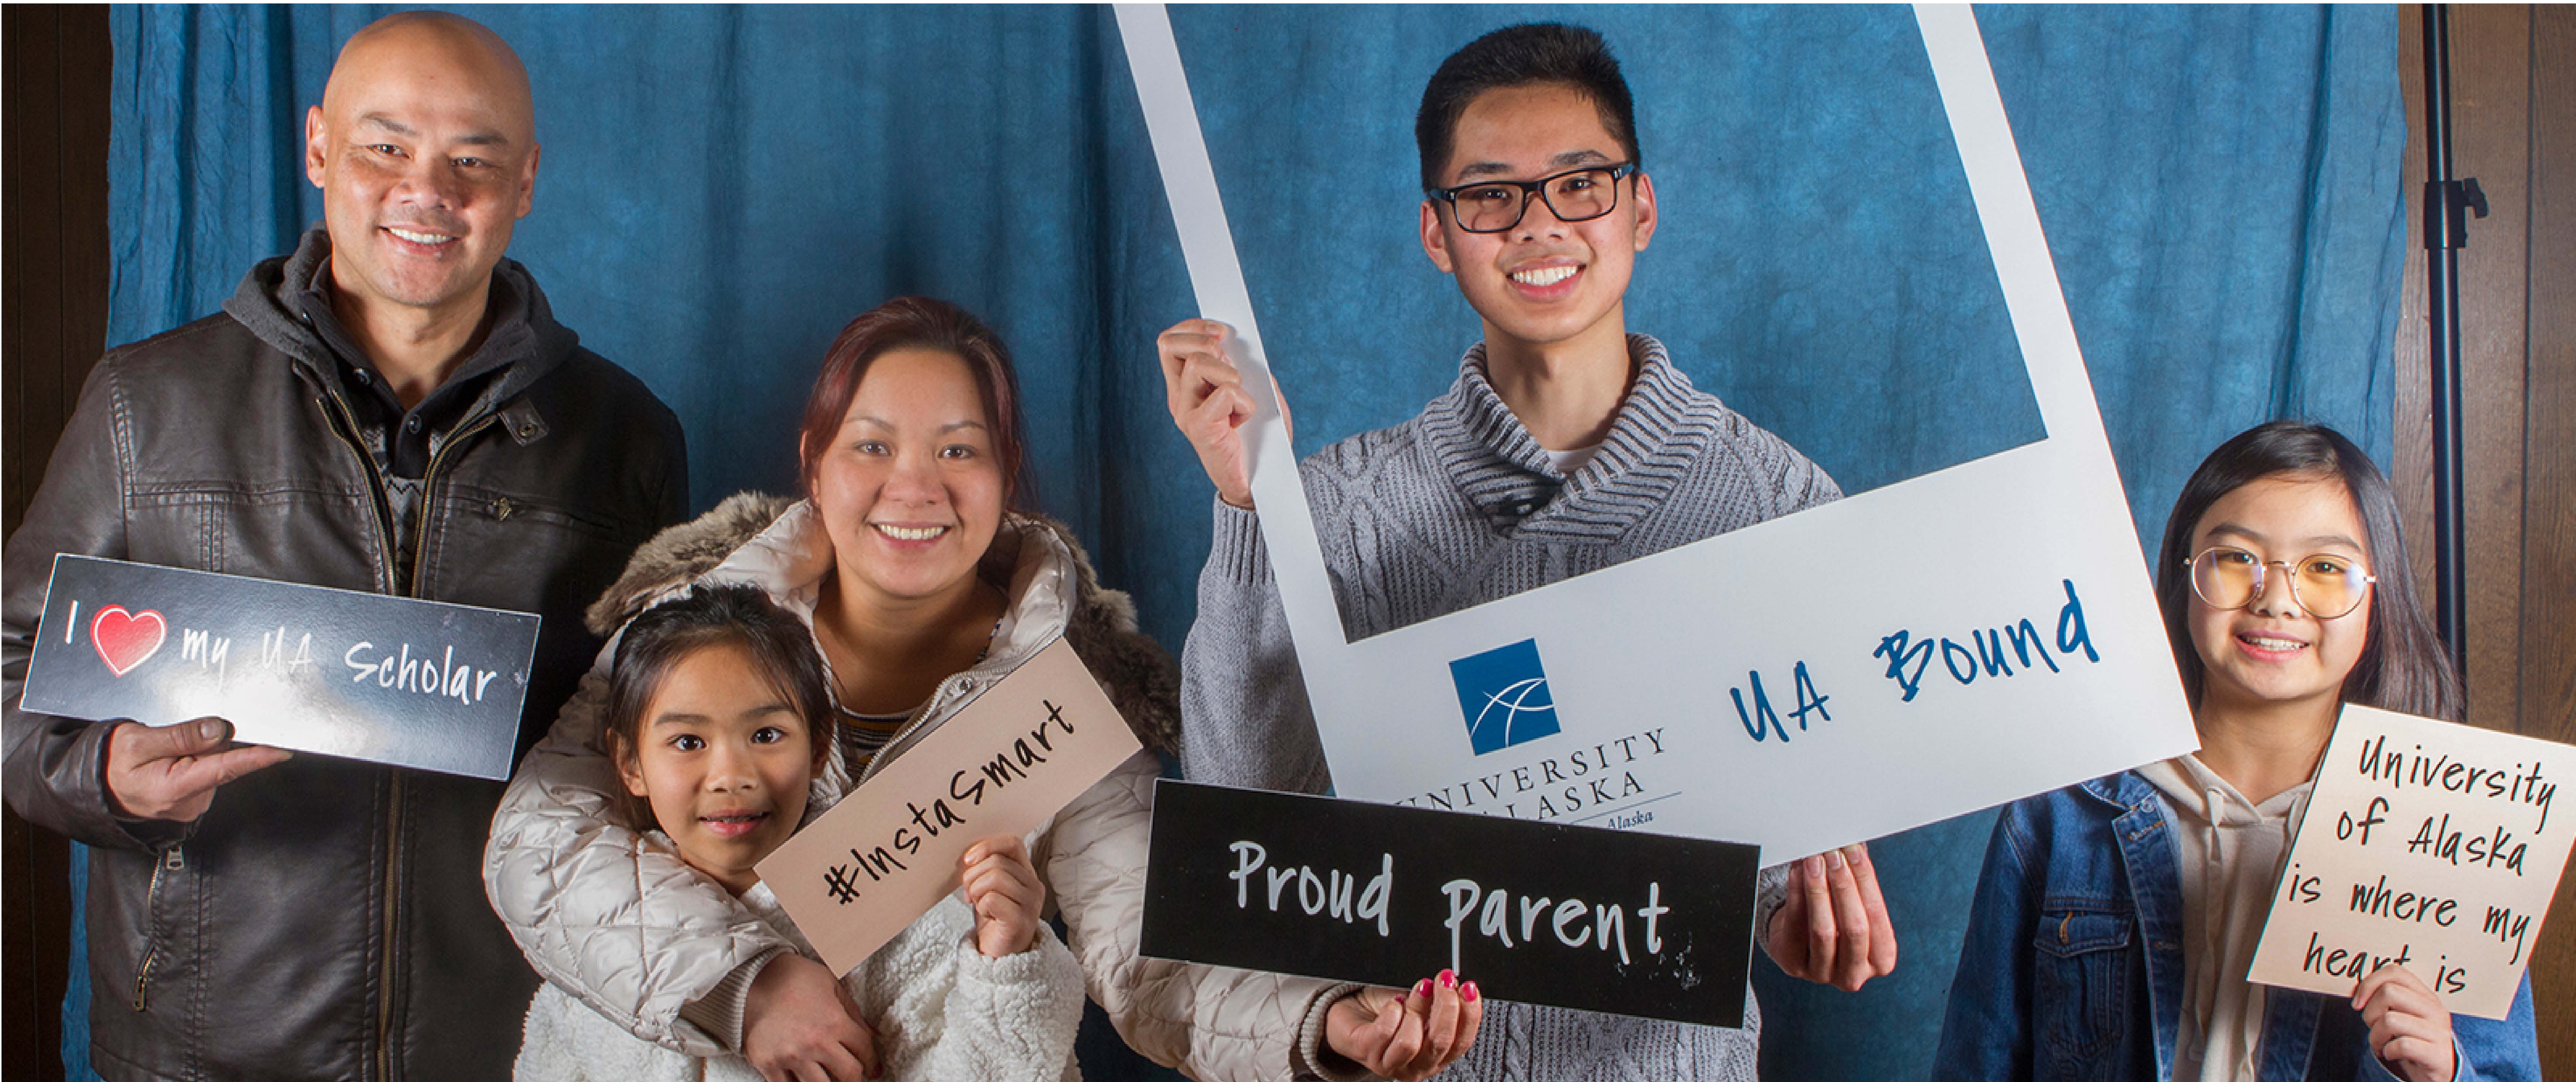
[(1504, 694)]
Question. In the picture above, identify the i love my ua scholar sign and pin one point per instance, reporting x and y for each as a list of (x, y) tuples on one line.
[(392, 680)]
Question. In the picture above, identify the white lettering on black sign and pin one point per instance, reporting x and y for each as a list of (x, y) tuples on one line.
[(1581, 917)]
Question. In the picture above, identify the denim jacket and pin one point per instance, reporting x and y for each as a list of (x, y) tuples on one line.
[(2072, 967)]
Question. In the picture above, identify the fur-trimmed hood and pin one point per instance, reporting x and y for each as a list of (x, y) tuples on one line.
[(1137, 672)]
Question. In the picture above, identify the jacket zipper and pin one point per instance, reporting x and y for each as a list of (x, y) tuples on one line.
[(429, 490), (393, 903), (393, 817), (347, 430), (170, 861), (393, 803), (939, 697)]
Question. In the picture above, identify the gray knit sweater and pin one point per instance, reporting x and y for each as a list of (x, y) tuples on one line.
[(1454, 508)]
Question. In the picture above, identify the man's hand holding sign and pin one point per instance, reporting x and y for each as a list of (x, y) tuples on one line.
[(1832, 927), (171, 772), (1204, 390)]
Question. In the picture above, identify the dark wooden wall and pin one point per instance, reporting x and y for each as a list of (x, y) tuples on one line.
[(2514, 108), (2513, 116), (53, 286)]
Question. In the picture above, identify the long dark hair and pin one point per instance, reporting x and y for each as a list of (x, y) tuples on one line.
[(2402, 666)]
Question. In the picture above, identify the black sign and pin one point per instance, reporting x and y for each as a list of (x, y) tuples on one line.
[(367, 676), (1545, 913)]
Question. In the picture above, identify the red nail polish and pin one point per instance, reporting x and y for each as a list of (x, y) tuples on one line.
[(1448, 978), (1468, 990), (1423, 989)]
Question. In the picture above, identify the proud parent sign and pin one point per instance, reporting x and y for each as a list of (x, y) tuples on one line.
[(1627, 923), (393, 680), (1799, 684), (2428, 844)]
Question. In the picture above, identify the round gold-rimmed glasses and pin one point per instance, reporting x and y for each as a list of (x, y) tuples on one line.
[(2325, 585)]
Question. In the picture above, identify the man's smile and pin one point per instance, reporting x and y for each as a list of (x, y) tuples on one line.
[(1549, 278), (1544, 276)]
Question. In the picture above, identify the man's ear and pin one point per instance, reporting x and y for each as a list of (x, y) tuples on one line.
[(1645, 198), (317, 145), (1435, 243), (528, 180)]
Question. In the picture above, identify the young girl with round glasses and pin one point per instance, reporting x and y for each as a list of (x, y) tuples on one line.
[(2116, 919)]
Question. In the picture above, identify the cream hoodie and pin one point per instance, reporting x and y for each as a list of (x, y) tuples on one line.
[(2229, 851)]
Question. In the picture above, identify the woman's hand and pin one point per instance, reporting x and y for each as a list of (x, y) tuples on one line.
[(1006, 894), (2409, 1030), (1205, 392), (1406, 1036), (798, 1025), (1833, 929)]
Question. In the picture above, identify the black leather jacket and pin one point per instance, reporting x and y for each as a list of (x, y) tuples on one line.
[(326, 919)]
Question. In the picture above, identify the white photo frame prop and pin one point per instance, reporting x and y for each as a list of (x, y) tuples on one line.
[(1951, 642)]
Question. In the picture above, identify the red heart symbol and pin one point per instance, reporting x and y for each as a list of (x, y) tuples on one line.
[(124, 640)]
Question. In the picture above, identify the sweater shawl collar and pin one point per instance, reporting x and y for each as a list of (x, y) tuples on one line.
[(1660, 430)]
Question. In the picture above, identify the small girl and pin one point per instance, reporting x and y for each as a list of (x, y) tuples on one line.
[(711, 720), (2116, 920)]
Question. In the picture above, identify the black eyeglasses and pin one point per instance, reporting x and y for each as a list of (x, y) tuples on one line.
[(1576, 195)]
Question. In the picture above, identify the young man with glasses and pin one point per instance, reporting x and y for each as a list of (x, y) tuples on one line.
[(1566, 445)]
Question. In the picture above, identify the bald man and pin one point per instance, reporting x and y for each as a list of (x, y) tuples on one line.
[(391, 408)]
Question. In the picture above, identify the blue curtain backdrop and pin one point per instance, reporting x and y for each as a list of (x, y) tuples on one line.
[(722, 188)]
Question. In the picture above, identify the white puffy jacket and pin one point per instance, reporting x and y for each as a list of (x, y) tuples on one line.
[(635, 934), (942, 1012)]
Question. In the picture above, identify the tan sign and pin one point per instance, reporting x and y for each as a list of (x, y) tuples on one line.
[(1003, 765), (2428, 844)]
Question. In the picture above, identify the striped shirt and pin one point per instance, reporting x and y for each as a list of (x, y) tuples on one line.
[(862, 736)]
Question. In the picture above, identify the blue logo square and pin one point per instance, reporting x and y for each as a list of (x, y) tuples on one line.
[(1504, 695)]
